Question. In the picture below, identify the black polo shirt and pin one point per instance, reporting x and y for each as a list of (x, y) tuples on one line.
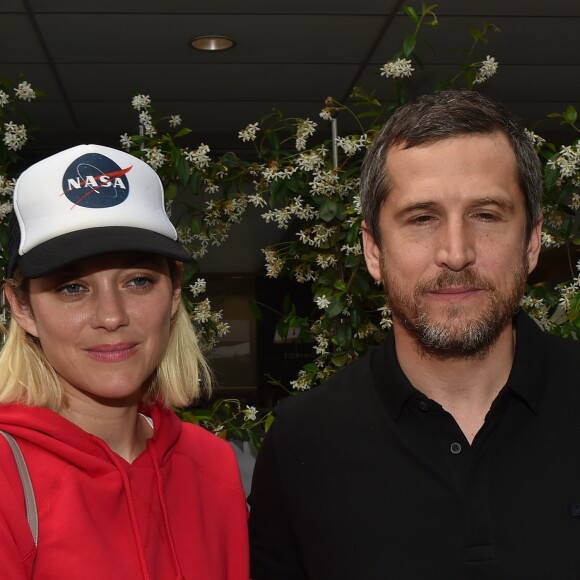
[(366, 478)]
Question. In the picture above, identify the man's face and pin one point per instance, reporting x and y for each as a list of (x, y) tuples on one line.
[(452, 255)]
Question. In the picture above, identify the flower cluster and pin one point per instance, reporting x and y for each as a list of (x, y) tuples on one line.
[(487, 69), (397, 69), (14, 135)]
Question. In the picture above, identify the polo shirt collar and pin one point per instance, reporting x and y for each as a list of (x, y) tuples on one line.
[(525, 380)]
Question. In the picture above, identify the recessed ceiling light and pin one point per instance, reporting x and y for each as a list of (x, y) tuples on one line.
[(212, 42)]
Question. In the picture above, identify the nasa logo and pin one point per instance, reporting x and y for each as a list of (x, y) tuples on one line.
[(95, 181)]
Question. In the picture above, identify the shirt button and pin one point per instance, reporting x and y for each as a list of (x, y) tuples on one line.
[(423, 406), (456, 448)]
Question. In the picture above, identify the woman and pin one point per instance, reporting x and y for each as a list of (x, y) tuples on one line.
[(99, 348)]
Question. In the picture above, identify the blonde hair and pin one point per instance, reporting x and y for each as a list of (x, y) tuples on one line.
[(26, 376)]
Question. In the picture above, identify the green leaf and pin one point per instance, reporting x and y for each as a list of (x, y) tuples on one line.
[(171, 191), (409, 45), (328, 277), (328, 209), (344, 335), (195, 226), (340, 285), (183, 170), (195, 182), (336, 306), (269, 420), (570, 115), (339, 360), (256, 310), (182, 132), (410, 11), (352, 260)]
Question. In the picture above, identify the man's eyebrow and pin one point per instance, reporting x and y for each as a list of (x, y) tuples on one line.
[(417, 206), (500, 202)]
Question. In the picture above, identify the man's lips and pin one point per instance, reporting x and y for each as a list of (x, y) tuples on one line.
[(455, 290), (454, 293), (112, 352)]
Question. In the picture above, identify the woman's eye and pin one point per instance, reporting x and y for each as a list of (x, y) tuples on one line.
[(140, 281), (70, 289)]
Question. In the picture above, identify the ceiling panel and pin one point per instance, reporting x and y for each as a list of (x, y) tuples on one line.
[(91, 58)]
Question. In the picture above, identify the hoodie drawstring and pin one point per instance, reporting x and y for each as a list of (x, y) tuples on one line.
[(160, 491), (130, 505)]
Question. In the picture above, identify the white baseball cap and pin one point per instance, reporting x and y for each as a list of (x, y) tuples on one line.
[(85, 201)]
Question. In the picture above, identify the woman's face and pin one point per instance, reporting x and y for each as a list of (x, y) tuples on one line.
[(103, 323)]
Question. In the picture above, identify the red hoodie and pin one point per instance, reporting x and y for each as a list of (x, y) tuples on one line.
[(177, 512)]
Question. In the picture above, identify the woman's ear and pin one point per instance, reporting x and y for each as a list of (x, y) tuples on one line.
[(20, 309), (177, 282)]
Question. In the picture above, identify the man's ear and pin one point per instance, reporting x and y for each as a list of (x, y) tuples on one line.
[(372, 253), (535, 244), (20, 310)]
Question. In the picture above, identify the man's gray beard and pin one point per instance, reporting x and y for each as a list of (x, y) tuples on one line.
[(470, 338)]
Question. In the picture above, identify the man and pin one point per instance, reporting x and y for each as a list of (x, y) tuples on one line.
[(452, 451)]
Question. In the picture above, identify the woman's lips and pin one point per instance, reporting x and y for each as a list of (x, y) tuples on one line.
[(112, 352)]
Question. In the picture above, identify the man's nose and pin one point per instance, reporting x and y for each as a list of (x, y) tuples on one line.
[(455, 245)]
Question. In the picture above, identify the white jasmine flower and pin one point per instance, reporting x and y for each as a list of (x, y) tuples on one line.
[(126, 142), (141, 102), (355, 249), (222, 329), (324, 182), (198, 287), (249, 133), (274, 263), (321, 346), (536, 140), (386, 317), (5, 209), (567, 162), (312, 160), (326, 113), (202, 311), (174, 120), (302, 382), (322, 302), (548, 241), (155, 157), (397, 69), (257, 200), (250, 413), (6, 185), (15, 136), (25, 92), (280, 216), (145, 119), (350, 145), (304, 273), (305, 128), (487, 70), (199, 157), (4, 98), (325, 261)]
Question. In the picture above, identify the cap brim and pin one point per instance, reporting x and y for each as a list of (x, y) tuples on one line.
[(54, 254)]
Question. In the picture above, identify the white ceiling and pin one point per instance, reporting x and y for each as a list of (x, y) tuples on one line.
[(91, 58)]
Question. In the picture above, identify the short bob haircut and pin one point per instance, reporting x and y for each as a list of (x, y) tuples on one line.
[(27, 377), (444, 115)]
